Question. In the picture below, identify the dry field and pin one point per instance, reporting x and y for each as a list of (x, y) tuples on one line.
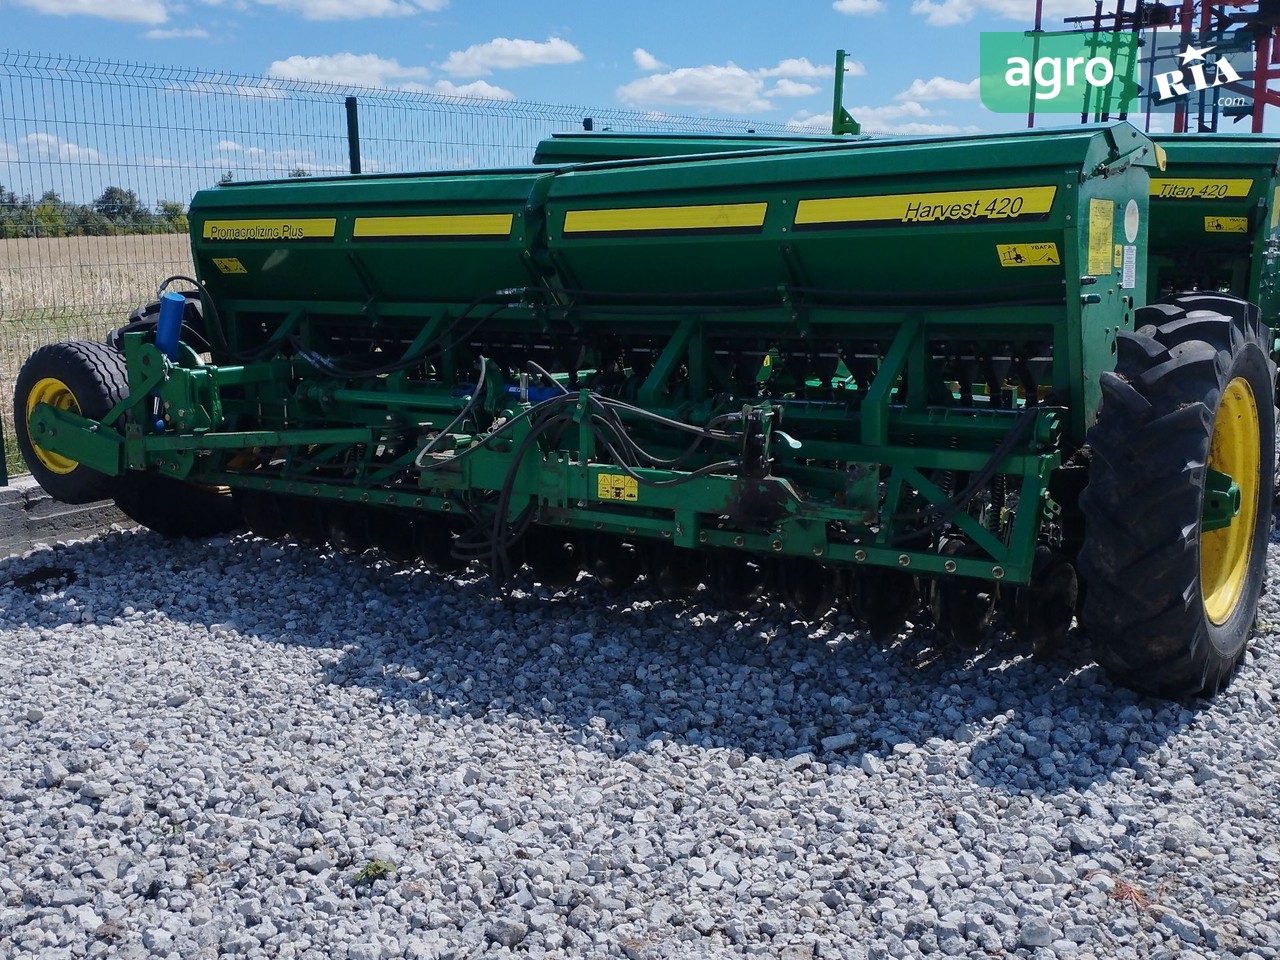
[(73, 288)]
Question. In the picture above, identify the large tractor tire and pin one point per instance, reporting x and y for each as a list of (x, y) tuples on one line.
[(1169, 604), (79, 376), (176, 509)]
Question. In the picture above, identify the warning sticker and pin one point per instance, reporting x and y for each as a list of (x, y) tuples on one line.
[(1129, 276), (1226, 224), (1028, 254), (1102, 228), (617, 486), (229, 265), (1117, 259)]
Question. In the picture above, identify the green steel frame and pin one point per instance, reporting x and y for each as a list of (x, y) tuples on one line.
[(857, 370)]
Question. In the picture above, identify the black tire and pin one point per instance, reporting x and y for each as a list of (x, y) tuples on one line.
[(77, 375), (176, 509), (1170, 606)]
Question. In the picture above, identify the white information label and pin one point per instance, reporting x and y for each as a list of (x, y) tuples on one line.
[(1129, 278)]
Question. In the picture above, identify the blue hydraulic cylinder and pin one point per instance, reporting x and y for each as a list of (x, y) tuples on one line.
[(169, 326)]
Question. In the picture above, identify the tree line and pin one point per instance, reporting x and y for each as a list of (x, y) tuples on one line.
[(116, 211)]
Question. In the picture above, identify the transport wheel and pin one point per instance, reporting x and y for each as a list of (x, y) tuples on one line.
[(1186, 425), (79, 376), (173, 508)]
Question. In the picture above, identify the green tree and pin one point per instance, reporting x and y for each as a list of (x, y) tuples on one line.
[(120, 206), (47, 219), (173, 216)]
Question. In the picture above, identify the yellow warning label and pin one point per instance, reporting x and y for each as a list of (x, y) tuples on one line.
[(229, 265), (617, 486), (715, 216), (1196, 189), (1028, 254), (1014, 203), (1226, 224), (307, 229), (1117, 256), (1275, 208), (1102, 229), (460, 225)]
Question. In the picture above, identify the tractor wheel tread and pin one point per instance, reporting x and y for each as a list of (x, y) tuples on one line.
[(95, 376), (1141, 558)]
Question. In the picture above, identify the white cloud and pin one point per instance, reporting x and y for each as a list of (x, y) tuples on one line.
[(122, 11), (228, 146), (791, 88), (646, 60), (45, 146), (900, 119), (945, 13), (801, 69), (476, 90), (729, 89), (353, 69), (354, 9), (940, 88), (501, 53), (178, 33), (8, 153), (858, 8)]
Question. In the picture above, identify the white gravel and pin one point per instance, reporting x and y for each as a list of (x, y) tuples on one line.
[(211, 749)]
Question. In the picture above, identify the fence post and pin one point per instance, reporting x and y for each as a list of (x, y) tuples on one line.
[(353, 134)]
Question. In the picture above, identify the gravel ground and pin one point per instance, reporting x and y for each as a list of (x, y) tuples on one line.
[(242, 748)]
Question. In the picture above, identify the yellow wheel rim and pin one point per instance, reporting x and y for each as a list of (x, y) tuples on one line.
[(57, 394), (1234, 449)]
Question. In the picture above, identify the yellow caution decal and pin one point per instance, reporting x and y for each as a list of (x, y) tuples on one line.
[(956, 206), (1117, 257), (617, 486), (1226, 224), (1102, 228), (1196, 189), (704, 218), (1028, 254), (229, 265), (304, 229), (451, 226)]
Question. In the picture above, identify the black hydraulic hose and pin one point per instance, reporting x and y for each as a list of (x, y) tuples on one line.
[(939, 517)]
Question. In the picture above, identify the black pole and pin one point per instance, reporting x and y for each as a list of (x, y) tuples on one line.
[(353, 134)]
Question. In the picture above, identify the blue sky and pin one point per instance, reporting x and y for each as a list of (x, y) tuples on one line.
[(914, 62)]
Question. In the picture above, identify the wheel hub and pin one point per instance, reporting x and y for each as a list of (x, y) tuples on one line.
[(1234, 450), (58, 395)]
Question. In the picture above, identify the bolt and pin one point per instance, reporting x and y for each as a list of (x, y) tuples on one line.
[(417, 502), (342, 494), (818, 551), (666, 534), (447, 506), (364, 497), (739, 541), (631, 529), (702, 537), (949, 566), (998, 572), (904, 560), (777, 546), (860, 556)]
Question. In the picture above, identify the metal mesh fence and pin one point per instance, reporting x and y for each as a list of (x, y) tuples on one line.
[(99, 158)]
